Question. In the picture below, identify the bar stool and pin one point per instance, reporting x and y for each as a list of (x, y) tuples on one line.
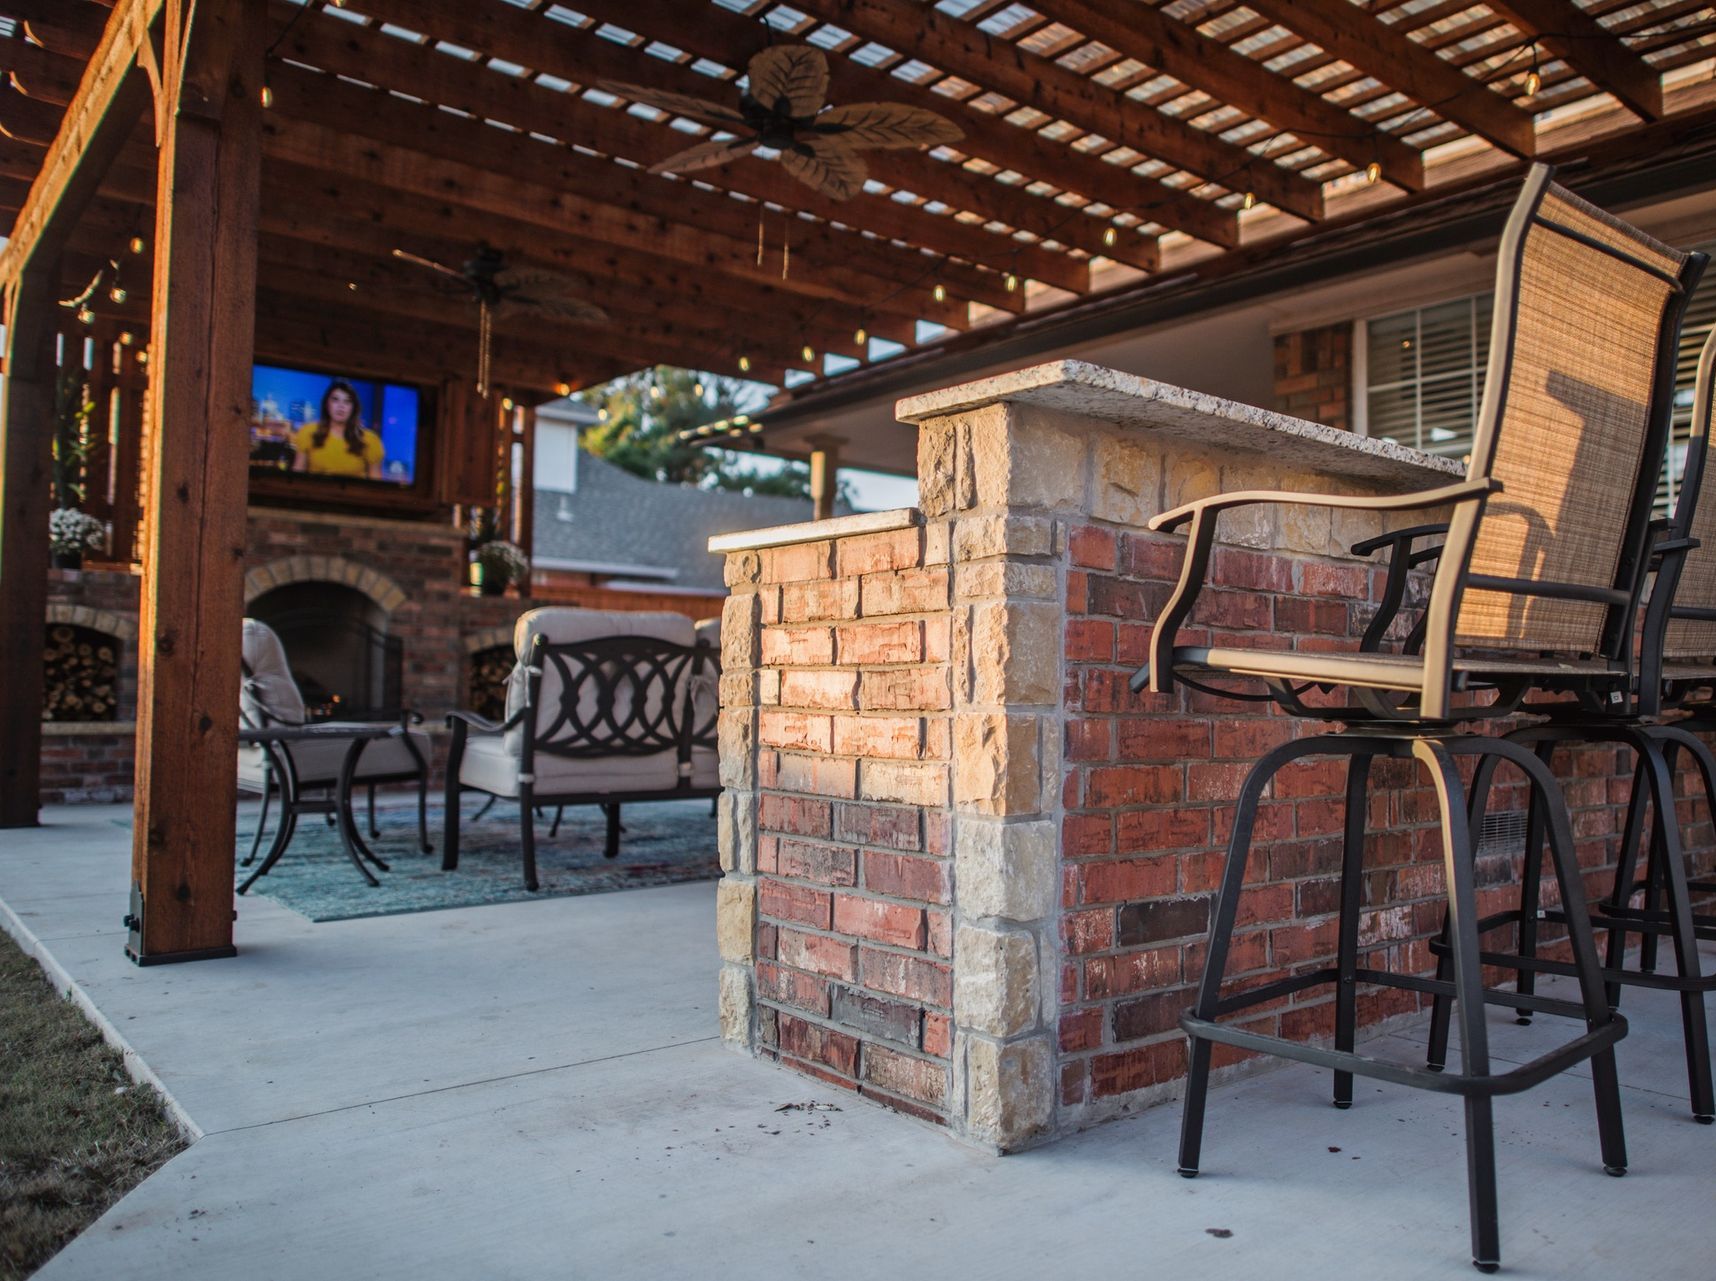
[(1676, 649), (1536, 582)]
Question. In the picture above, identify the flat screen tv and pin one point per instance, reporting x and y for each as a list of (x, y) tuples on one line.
[(320, 424)]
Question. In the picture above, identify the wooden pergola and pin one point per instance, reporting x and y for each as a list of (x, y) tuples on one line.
[(270, 156)]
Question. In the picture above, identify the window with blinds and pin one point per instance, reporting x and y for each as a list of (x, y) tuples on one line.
[(1424, 377), (1425, 374)]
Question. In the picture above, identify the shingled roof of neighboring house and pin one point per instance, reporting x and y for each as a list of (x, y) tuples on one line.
[(618, 524)]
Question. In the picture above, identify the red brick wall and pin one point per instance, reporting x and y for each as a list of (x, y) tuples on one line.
[(854, 874), (1313, 375), (1149, 792)]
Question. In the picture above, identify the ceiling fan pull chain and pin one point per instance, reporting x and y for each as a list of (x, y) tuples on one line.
[(483, 344)]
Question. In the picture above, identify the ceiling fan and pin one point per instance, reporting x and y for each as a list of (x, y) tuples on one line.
[(501, 291), (782, 109)]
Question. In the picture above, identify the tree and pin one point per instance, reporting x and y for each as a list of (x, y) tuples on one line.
[(643, 414)]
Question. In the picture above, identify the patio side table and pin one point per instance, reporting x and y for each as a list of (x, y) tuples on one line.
[(274, 741)]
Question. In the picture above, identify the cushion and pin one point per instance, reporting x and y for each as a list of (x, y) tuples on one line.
[(318, 761), (268, 695), (561, 625), (490, 767)]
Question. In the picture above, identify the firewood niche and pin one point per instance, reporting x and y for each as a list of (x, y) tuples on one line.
[(81, 674)]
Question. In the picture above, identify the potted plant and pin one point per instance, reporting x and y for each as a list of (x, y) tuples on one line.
[(501, 563), (71, 531)]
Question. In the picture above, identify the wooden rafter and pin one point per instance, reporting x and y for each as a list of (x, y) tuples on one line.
[(1400, 62), (963, 49), (1178, 49), (1586, 44)]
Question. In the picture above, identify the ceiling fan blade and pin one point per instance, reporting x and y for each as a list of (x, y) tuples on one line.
[(701, 110), (430, 263), (573, 311), (831, 168), (888, 124), (796, 74), (705, 155)]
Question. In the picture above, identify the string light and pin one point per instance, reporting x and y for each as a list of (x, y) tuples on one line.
[(562, 389), (862, 336), (697, 388), (506, 403), (1534, 77), (1373, 171), (744, 364), (126, 338), (941, 293), (267, 97), (602, 415), (1249, 201), (137, 244), (1110, 235), (655, 391), (117, 294), (1012, 283), (809, 354)]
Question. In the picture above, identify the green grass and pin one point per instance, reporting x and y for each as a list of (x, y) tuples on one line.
[(76, 1132)]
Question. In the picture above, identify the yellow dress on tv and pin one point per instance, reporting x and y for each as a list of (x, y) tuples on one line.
[(332, 457)]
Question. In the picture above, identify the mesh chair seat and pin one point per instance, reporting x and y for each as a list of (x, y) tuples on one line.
[(1403, 672)]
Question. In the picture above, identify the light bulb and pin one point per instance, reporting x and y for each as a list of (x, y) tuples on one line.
[(1373, 171), (655, 393), (267, 97), (85, 315), (1533, 82), (1012, 282), (137, 244), (116, 294), (562, 389), (809, 354), (744, 364), (506, 403), (1250, 200), (601, 415), (127, 338), (697, 388), (941, 293), (862, 336), (1109, 236)]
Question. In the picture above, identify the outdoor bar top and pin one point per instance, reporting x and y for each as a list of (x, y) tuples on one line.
[(968, 872)]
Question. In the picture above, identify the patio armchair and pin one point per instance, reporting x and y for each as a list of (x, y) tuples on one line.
[(602, 708), (268, 698), (1537, 583)]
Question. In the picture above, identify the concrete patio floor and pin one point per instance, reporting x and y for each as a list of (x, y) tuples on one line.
[(535, 1090)]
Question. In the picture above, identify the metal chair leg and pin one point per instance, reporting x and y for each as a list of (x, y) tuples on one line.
[(1352, 902), (261, 822), (374, 831), (1442, 1006), (1626, 873), (423, 812), (527, 836), (611, 843), (559, 813), (1468, 986), (1530, 884)]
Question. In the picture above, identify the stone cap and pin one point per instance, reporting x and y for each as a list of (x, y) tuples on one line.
[(811, 530), (1127, 400)]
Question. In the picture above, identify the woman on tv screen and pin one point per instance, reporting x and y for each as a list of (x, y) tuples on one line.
[(338, 443)]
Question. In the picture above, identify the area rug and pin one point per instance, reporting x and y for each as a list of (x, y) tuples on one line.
[(665, 842)]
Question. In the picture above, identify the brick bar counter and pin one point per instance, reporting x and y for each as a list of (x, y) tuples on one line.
[(967, 872)]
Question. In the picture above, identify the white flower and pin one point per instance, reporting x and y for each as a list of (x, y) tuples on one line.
[(505, 560), (70, 530)]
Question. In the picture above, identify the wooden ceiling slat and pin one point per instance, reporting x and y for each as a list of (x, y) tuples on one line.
[(1395, 59), (964, 49), (579, 55), (1179, 50), (435, 150), (730, 39), (70, 27), (1583, 42), (423, 72)]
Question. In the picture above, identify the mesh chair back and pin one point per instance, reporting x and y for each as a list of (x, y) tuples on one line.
[(1691, 632), (1587, 314)]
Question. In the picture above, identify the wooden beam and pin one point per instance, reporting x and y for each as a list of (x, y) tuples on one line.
[(731, 38), (1400, 62), (25, 466), (1590, 48), (112, 94), (39, 72), (425, 72), (1178, 49), (192, 597), (72, 27), (581, 56), (963, 49)]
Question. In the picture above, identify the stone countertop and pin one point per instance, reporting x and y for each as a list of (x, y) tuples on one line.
[(1128, 400)]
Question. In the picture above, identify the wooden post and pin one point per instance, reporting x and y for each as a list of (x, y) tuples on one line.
[(207, 190), (824, 475), (25, 463)]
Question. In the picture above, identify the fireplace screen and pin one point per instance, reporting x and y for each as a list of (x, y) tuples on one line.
[(345, 663)]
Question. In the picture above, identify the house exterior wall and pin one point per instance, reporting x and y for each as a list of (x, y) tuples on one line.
[(1314, 376)]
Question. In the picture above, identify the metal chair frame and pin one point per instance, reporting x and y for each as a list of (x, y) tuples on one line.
[(1403, 706), (601, 668)]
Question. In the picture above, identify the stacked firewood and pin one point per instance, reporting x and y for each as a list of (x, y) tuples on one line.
[(80, 676), (487, 690)]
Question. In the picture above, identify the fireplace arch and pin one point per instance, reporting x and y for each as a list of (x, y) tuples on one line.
[(381, 589)]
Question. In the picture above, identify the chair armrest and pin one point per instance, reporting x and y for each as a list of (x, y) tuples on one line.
[(1364, 547), (469, 721), (1465, 491), (1401, 559)]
